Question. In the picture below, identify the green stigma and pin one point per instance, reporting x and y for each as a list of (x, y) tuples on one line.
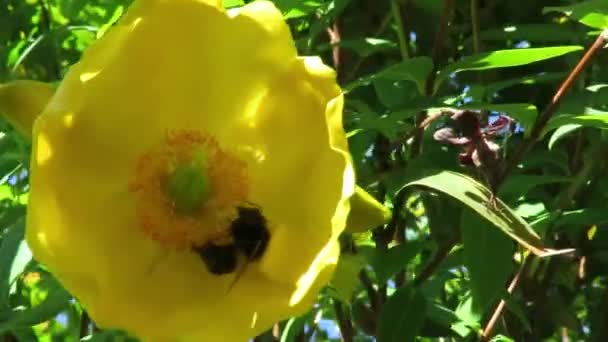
[(188, 184)]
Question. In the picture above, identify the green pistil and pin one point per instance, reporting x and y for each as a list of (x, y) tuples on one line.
[(188, 185)]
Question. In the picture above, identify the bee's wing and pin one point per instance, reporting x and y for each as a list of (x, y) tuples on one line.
[(243, 267)]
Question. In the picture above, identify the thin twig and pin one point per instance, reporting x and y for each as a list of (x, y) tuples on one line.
[(475, 26), (344, 323), (545, 116)]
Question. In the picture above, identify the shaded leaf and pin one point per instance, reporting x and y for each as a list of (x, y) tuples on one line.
[(530, 32), (488, 259), (345, 279), (386, 263), (414, 69), (520, 185), (545, 77), (366, 47), (402, 316), (11, 241)]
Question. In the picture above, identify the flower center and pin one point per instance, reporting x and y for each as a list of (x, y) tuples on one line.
[(188, 189)]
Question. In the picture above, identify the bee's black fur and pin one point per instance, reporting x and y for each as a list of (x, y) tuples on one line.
[(250, 237)]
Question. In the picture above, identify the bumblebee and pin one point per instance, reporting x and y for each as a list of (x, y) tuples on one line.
[(250, 236)]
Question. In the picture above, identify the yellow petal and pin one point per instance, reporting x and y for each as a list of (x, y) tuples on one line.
[(186, 64), (22, 101), (365, 212)]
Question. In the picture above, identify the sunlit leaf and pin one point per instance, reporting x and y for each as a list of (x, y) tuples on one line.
[(593, 13), (56, 301), (593, 118), (561, 132), (477, 197), (503, 59)]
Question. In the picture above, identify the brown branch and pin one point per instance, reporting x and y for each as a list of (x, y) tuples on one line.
[(344, 323), (371, 291), (85, 324), (475, 26), (489, 328), (545, 116), (334, 39)]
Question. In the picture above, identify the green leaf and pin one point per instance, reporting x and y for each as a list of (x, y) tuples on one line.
[(520, 185), (577, 218), (345, 279), (561, 132), (11, 241), (503, 59), (530, 32), (488, 258), (402, 316), (591, 118), (386, 263), (593, 13), (388, 125), (366, 47), (476, 196), (469, 318), (233, 3), (56, 301), (441, 315), (109, 336), (294, 326), (414, 69), (545, 77), (297, 8)]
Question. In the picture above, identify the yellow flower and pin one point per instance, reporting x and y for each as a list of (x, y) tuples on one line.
[(180, 95)]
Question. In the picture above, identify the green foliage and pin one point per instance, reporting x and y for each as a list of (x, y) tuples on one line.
[(467, 209)]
